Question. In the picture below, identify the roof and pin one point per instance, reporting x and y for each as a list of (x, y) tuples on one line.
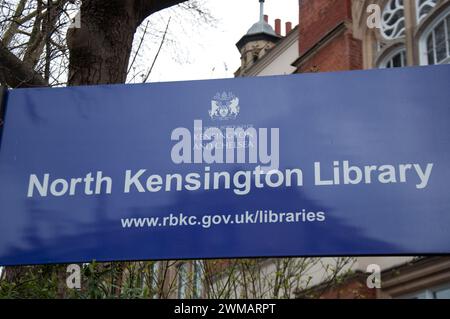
[(280, 46), (261, 30), (261, 27)]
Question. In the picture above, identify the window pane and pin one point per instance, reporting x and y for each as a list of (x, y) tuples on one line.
[(448, 34), (430, 49), (448, 26), (424, 7), (400, 29), (393, 20), (442, 294), (397, 60), (425, 11), (441, 46)]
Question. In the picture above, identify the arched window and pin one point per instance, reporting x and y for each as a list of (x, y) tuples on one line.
[(435, 41), (393, 20), (396, 59), (423, 7)]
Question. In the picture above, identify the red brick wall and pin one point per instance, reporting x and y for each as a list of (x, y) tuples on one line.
[(318, 17), (340, 54)]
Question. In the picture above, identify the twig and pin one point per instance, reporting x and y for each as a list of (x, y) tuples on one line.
[(157, 53), (139, 47)]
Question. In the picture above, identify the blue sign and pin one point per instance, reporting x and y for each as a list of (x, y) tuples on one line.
[(351, 163)]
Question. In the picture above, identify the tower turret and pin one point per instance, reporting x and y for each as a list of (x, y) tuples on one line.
[(260, 38)]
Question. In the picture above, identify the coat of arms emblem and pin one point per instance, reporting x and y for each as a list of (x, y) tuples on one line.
[(224, 106)]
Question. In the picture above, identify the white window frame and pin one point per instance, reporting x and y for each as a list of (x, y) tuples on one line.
[(426, 293), (430, 3), (423, 49), (384, 62), (443, 287), (384, 26)]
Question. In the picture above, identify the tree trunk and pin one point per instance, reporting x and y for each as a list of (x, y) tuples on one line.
[(100, 50), (99, 54), (16, 73)]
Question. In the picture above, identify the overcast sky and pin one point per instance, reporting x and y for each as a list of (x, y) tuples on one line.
[(204, 52)]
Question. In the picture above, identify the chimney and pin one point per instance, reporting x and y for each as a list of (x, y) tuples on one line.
[(278, 26), (288, 27), (266, 18)]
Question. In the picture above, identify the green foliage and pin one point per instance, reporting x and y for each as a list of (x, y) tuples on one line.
[(46, 282), (240, 278), (37, 282)]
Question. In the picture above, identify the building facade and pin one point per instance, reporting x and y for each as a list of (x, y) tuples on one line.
[(344, 35), (332, 35), (412, 32)]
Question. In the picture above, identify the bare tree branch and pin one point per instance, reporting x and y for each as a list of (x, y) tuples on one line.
[(14, 25), (157, 53), (17, 73)]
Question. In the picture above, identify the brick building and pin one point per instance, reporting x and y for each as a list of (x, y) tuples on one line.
[(334, 35), (326, 37)]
